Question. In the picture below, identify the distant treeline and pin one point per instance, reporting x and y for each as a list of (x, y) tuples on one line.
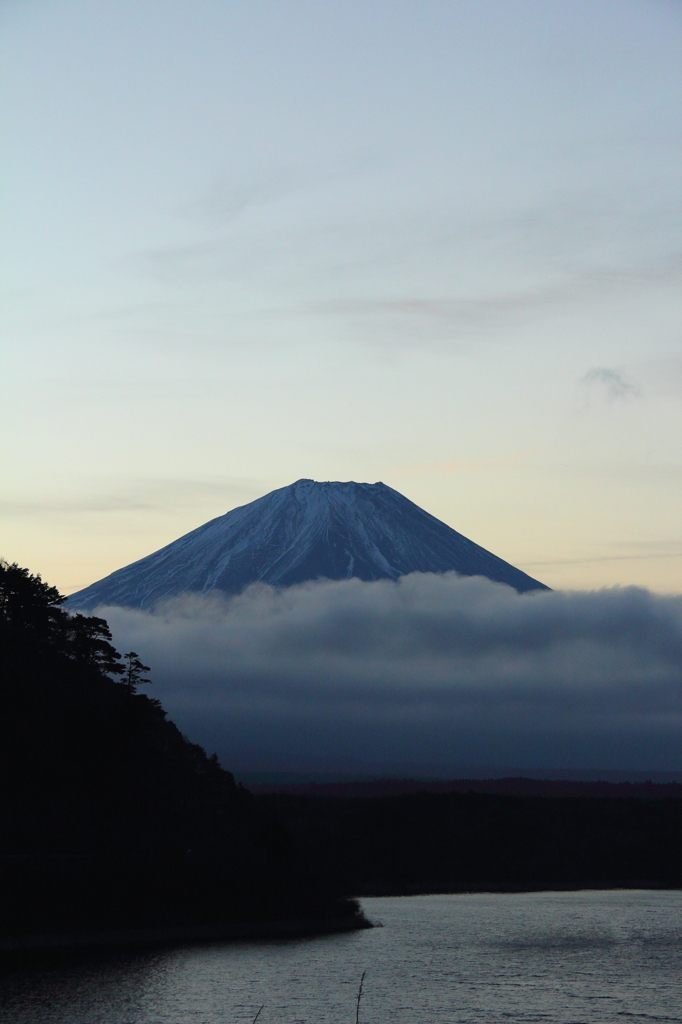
[(457, 842), (517, 786), (109, 817)]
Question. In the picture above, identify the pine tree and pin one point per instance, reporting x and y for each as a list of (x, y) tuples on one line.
[(133, 670)]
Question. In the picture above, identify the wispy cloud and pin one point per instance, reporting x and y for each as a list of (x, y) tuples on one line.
[(460, 317), (143, 496), (466, 465), (611, 384), (633, 550), (563, 250), (604, 558), (230, 197)]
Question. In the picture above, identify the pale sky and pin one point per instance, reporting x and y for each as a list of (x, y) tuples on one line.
[(430, 243)]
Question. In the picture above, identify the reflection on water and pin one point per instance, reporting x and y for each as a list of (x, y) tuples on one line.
[(532, 957)]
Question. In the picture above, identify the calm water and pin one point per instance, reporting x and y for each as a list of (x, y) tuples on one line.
[(569, 957)]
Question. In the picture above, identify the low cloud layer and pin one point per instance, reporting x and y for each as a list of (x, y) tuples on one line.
[(426, 674)]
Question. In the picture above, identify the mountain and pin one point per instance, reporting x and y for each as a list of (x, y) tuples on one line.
[(305, 531)]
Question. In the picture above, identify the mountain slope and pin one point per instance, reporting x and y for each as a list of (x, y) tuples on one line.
[(305, 531)]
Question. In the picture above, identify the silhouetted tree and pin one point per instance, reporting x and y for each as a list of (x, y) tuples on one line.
[(132, 673), (88, 642), (28, 603), (32, 609)]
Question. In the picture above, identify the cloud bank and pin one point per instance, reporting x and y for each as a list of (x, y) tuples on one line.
[(432, 673)]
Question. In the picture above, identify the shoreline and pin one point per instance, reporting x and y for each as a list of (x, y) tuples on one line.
[(67, 942), (16, 947), (377, 892)]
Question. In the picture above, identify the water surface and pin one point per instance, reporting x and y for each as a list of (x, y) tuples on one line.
[(559, 957)]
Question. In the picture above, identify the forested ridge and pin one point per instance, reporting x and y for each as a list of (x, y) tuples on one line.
[(458, 842), (109, 817)]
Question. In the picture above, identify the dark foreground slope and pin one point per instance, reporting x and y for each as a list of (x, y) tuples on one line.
[(508, 786), (109, 818), (302, 532), (457, 842)]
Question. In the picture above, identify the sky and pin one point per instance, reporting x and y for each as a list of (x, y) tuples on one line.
[(434, 244)]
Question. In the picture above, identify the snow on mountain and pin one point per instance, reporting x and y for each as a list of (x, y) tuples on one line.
[(305, 531)]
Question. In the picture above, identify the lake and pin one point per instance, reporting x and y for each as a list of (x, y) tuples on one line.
[(484, 958)]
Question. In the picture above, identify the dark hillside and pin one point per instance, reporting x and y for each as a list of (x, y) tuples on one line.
[(109, 817)]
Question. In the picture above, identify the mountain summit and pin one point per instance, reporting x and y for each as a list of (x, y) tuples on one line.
[(305, 531)]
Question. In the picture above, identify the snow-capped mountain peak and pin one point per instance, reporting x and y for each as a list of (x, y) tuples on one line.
[(305, 531)]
